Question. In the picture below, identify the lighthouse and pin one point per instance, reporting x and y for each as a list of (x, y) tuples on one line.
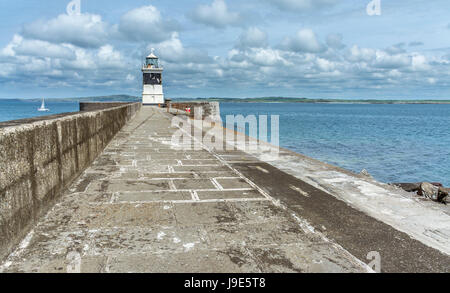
[(152, 81)]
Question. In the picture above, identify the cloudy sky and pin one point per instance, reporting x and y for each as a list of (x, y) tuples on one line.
[(227, 48)]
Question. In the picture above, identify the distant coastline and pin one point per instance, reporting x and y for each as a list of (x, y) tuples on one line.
[(129, 98), (317, 101)]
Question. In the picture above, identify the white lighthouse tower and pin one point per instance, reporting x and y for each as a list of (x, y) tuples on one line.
[(152, 81)]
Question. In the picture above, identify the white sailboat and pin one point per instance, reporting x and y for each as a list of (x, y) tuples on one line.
[(42, 108)]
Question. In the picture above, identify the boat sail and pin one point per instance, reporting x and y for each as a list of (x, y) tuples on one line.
[(42, 108)]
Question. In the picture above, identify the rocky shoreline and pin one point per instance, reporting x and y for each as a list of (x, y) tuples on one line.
[(434, 191)]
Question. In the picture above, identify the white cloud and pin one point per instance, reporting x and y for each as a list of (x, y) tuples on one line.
[(358, 54), (252, 38), (419, 63), (385, 60), (84, 60), (172, 50), (325, 65), (23, 47), (302, 5), (216, 15), (266, 57), (146, 24), (84, 30), (108, 57), (305, 40)]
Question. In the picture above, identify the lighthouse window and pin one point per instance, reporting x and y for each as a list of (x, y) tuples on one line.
[(152, 78)]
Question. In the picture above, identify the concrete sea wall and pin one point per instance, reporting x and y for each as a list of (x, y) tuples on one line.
[(94, 106), (39, 159)]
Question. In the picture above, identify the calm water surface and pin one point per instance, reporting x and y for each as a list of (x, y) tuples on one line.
[(394, 143), (20, 109)]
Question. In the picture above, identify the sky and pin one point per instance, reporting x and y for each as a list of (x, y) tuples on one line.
[(227, 48)]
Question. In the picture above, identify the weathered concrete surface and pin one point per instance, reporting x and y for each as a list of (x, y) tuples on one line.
[(146, 206), (423, 220), (40, 157), (359, 213), (352, 229)]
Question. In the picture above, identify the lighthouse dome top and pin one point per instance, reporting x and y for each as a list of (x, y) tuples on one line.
[(152, 61), (152, 55)]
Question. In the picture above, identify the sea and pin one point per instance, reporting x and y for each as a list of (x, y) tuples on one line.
[(393, 142), (20, 109)]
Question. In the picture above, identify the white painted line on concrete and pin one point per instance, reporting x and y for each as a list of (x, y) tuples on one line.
[(187, 201), (172, 185), (144, 178), (125, 171), (215, 165), (194, 195), (216, 184), (265, 194), (183, 190), (261, 169), (299, 190), (107, 264), (243, 162), (113, 197), (202, 159)]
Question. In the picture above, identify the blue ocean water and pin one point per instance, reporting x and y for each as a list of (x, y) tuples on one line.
[(20, 109), (395, 143)]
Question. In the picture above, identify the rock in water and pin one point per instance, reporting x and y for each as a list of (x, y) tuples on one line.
[(409, 187), (437, 184), (429, 190), (365, 173)]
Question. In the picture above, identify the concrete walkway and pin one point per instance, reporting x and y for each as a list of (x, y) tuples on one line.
[(144, 206)]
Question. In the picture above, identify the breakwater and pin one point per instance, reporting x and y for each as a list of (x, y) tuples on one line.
[(149, 203), (40, 157)]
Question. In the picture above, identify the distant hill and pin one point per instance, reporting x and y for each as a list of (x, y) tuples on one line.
[(306, 100), (128, 98), (113, 98)]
